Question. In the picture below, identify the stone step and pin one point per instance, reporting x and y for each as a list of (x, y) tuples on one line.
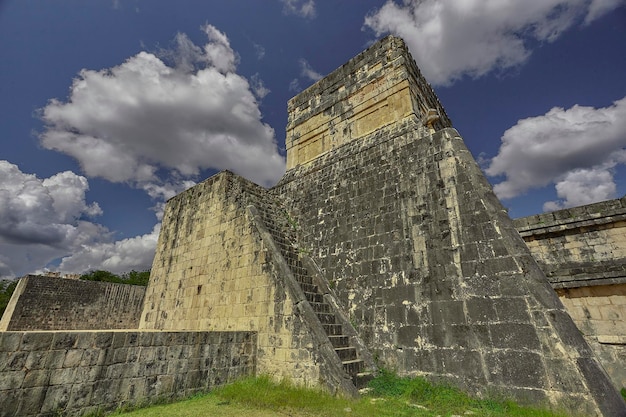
[(332, 329), (339, 340), (362, 379), (353, 367), (347, 353), (314, 297), (304, 278), (307, 287), (321, 307), (293, 261), (326, 318)]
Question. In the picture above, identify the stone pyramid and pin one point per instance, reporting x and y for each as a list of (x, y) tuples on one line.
[(383, 245)]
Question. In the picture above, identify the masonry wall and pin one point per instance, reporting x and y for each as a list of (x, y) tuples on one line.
[(77, 373), (579, 246), (434, 275), (213, 272), (376, 88), (583, 252), (52, 303)]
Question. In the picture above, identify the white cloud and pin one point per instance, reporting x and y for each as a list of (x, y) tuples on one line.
[(308, 72), (259, 50), (582, 186), (258, 86), (576, 149), (450, 39), (118, 257), (302, 8), (143, 117), (43, 219), (294, 86), (47, 219), (599, 8)]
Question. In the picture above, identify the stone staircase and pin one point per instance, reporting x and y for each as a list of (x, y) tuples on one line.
[(283, 230)]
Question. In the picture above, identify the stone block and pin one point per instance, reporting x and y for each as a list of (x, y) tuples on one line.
[(36, 360), (447, 312), (480, 310), (103, 340), (11, 380), (516, 369), (15, 361), (36, 378), (466, 364), (11, 404), (10, 341), (55, 359), (32, 399), (64, 340), (36, 341), (56, 399), (511, 309), (73, 358), (514, 336), (80, 396)]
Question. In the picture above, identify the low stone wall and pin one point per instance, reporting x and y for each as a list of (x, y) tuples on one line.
[(52, 303), (580, 246), (76, 373), (599, 313), (582, 251)]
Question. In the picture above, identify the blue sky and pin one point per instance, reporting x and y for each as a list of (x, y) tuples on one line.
[(108, 108)]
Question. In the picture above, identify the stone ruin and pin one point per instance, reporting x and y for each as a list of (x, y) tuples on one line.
[(382, 246)]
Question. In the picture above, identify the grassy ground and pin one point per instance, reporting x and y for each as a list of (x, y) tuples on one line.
[(390, 396)]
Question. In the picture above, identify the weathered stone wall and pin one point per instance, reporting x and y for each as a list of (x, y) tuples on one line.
[(213, 272), (76, 373), (580, 246), (583, 252), (51, 303), (599, 312), (431, 269), (374, 89)]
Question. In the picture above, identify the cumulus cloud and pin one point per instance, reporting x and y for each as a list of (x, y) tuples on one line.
[(583, 186), (134, 253), (35, 211), (576, 149), (302, 8), (44, 220), (450, 39), (145, 119)]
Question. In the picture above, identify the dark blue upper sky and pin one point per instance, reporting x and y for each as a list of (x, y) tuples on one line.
[(110, 107)]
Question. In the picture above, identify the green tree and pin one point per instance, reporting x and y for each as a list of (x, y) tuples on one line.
[(103, 276), (133, 277), (6, 291), (137, 277)]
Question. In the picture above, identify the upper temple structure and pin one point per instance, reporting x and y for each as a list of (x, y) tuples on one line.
[(382, 246)]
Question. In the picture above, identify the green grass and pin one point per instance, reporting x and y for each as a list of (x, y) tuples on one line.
[(390, 396)]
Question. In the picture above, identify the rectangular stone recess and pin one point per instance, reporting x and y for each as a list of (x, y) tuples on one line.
[(45, 373)]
